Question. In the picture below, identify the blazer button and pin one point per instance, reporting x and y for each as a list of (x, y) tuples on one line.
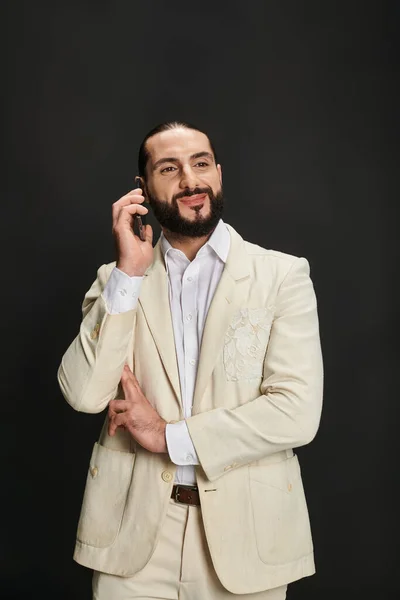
[(93, 472), (166, 476)]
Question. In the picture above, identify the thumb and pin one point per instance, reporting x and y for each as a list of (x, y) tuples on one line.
[(126, 375), (149, 234)]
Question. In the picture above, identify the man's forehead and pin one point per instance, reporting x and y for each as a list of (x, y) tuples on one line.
[(176, 143)]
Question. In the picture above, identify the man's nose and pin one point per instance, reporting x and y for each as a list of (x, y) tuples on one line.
[(189, 179)]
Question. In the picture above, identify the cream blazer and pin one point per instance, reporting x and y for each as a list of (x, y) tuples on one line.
[(258, 395)]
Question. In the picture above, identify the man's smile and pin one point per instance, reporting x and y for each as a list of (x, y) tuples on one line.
[(193, 200)]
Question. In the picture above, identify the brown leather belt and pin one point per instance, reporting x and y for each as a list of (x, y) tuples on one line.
[(186, 494)]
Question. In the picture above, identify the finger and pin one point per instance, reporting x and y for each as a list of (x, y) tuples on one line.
[(149, 234), (119, 405), (116, 420), (132, 209), (117, 210), (133, 197), (133, 377), (135, 192), (111, 427), (128, 374), (128, 382), (126, 212), (112, 432), (119, 420)]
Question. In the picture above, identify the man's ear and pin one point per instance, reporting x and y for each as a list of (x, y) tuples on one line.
[(219, 169), (141, 182), (145, 191)]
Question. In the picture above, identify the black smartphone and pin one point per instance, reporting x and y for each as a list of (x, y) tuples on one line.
[(140, 219)]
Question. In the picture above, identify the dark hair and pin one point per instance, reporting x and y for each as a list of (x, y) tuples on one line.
[(143, 153)]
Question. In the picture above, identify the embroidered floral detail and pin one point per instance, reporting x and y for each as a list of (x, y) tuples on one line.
[(246, 342)]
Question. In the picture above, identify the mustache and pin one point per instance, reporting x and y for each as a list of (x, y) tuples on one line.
[(188, 193)]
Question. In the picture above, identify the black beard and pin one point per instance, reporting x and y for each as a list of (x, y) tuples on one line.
[(168, 215)]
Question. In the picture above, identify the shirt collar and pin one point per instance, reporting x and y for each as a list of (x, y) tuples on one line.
[(219, 241)]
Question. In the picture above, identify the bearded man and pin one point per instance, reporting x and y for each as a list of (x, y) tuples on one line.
[(204, 351)]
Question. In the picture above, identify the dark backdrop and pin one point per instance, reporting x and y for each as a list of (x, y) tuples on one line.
[(300, 100)]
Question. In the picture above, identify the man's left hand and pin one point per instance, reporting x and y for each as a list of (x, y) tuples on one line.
[(137, 415)]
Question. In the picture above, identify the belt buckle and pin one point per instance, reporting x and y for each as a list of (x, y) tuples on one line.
[(176, 496)]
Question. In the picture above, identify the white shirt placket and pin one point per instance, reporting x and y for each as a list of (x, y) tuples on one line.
[(190, 338)]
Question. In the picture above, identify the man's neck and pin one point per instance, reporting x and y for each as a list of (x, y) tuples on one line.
[(188, 245)]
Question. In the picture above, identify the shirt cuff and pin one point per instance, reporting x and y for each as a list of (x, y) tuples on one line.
[(121, 292), (179, 443)]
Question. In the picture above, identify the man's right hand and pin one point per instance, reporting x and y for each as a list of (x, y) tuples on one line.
[(133, 256)]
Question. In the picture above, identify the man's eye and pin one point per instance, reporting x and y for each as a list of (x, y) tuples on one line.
[(202, 164), (167, 169)]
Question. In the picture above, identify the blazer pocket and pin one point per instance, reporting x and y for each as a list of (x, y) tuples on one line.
[(107, 485), (245, 344), (281, 522)]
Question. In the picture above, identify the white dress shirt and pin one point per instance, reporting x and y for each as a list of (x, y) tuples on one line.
[(191, 285)]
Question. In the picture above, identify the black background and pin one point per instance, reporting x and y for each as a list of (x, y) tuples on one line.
[(299, 98)]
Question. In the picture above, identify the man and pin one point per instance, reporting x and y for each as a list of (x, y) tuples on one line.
[(205, 352)]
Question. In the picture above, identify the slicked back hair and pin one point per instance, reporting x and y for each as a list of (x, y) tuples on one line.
[(168, 125)]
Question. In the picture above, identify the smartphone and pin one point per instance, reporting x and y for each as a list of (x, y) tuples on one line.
[(139, 219)]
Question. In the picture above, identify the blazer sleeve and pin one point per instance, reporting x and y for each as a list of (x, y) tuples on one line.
[(287, 413), (91, 368)]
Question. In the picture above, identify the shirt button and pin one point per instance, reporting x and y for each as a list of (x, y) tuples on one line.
[(189, 317), (166, 476), (188, 457), (190, 278), (192, 361)]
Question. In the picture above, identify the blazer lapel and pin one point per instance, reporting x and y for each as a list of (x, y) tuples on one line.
[(229, 296), (154, 300)]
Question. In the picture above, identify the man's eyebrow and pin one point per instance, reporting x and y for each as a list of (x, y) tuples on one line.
[(175, 160), (163, 160), (202, 155)]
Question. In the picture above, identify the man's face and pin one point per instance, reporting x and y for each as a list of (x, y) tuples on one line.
[(184, 185)]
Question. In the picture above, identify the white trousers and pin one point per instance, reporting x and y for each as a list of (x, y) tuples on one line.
[(180, 568)]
